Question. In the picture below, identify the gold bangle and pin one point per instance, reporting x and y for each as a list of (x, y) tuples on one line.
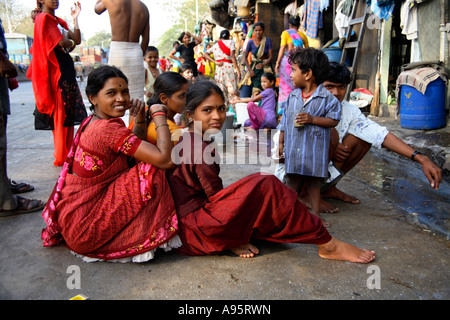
[(160, 125)]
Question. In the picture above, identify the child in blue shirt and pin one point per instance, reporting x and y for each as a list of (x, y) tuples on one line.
[(305, 127)]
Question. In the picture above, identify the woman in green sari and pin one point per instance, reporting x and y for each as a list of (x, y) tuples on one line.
[(260, 48)]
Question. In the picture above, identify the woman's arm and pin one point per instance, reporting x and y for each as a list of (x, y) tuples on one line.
[(249, 69), (209, 58), (73, 37), (280, 56), (235, 64), (269, 58), (172, 55), (197, 40), (161, 154), (137, 111)]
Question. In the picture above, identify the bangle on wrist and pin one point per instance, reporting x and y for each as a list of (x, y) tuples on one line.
[(158, 113), (160, 125), (416, 152), (140, 122)]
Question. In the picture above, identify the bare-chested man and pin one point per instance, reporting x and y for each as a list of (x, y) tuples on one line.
[(130, 29)]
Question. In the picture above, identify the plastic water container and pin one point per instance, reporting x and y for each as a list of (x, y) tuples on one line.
[(241, 113), (423, 111), (245, 91), (335, 54)]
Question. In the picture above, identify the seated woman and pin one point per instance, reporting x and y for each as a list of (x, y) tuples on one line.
[(213, 219), (100, 207), (169, 90)]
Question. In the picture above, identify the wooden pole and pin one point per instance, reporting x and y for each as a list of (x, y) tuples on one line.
[(375, 106)]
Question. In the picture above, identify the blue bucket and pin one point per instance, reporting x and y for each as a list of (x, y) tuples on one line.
[(423, 111), (335, 54), (245, 91)]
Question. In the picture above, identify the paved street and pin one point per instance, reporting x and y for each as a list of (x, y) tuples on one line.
[(412, 260)]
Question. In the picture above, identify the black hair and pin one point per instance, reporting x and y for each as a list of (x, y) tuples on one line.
[(259, 24), (200, 91), (176, 43), (311, 59), (270, 76), (339, 73), (185, 66), (168, 83), (180, 38), (294, 21), (151, 49), (224, 34), (98, 77)]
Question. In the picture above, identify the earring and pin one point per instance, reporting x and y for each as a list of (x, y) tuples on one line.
[(190, 120)]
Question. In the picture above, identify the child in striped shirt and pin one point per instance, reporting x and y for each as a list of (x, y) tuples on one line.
[(305, 127)]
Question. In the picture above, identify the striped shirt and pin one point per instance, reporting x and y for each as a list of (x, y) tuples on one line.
[(306, 148)]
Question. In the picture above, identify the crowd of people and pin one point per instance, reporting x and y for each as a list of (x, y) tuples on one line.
[(127, 189)]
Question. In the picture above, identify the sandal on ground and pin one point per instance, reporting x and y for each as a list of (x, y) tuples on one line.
[(20, 187), (23, 206)]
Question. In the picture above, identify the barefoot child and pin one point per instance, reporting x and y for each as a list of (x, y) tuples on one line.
[(264, 116), (310, 113), (213, 218)]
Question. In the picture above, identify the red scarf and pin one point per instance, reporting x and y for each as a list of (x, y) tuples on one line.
[(44, 69), (224, 48)]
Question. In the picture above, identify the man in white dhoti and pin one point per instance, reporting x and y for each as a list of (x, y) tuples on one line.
[(130, 29)]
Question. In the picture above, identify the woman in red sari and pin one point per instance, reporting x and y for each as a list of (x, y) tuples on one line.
[(59, 104), (213, 219), (102, 208)]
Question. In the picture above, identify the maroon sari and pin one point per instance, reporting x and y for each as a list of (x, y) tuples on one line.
[(213, 219), (100, 207)]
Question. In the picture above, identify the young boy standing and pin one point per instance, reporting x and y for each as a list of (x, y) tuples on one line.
[(310, 113)]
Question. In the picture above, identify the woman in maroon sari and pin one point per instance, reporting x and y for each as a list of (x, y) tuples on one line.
[(102, 208), (213, 219)]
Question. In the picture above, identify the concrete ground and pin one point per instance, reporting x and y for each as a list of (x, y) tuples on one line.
[(412, 260)]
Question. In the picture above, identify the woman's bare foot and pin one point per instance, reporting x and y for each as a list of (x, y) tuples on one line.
[(246, 250), (335, 193), (339, 250)]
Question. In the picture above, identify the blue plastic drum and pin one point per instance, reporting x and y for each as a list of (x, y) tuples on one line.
[(423, 111)]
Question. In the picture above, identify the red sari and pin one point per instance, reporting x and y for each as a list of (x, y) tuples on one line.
[(100, 207), (213, 219), (58, 97)]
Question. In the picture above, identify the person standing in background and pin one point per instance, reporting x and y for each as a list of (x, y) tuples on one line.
[(129, 24), (59, 104), (10, 204)]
